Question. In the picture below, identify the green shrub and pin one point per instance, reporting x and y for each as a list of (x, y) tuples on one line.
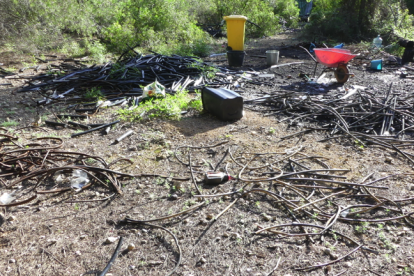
[(356, 20), (9, 124), (288, 10), (153, 24)]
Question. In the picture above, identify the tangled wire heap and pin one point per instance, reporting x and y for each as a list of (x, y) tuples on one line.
[(298, 183), (364, 116)]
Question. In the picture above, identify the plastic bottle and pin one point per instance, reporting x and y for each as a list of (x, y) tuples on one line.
[(215, 178), (377, 41)]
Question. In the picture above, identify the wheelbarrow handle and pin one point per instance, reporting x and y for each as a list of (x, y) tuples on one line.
[(308, 53)]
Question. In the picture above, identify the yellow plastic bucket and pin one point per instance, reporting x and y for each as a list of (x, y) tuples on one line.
[(235, 31)]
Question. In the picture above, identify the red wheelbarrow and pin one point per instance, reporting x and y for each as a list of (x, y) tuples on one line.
[(334, 59)]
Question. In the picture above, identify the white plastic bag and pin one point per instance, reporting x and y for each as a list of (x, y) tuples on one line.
[(7, 198), (154, 90), (79, 179)]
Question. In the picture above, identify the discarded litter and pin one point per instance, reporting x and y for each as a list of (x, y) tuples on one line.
[(376, 64), (377, 41), (215, 178), (79, 179), (154, 90), (344, 213), (216, 55), (272, 57), (123, 136), (7, 198)]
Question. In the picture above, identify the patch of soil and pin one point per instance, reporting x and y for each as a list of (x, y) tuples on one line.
[(65, 234)]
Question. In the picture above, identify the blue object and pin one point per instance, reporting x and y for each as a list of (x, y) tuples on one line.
[(340, 46), (311, 47), (376, 64), (305, 8)]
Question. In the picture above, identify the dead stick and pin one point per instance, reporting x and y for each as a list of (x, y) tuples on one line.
[(274, 269), (176, 243), (336, 182), (225, 210), (333, 262), (51, 255), (91, 200), (192, 174), (167, 217), (316, 201)]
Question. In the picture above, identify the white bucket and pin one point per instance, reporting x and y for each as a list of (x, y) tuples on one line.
[(272, 57)]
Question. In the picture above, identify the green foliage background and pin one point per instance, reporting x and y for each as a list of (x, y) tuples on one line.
[(360, 20), (166, 26), (93, 27)]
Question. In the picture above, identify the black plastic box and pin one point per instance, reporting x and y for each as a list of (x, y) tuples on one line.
[(224, 103)]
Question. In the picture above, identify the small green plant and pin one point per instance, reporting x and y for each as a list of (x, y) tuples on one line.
[(169, 107), (9, 124), (97, 51), (335, 236), (361, 229), (76, 207), (207, 71), (359, 144), (159, 181), (94, 93), (189, 203), (44, 117), (90, 161), (387, 243), (257, 203), (406, 270), (315, 215), (142, 263), (272, 130)]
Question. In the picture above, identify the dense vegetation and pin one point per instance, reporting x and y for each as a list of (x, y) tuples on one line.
[(93, 27)]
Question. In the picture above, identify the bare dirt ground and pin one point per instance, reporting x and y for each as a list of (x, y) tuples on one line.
[(67, 233)]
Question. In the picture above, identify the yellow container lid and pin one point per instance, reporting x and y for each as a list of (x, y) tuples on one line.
[(235, 17)]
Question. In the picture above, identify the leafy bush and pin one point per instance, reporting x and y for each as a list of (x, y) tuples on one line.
[(153, 24), (356, 20), (72, 26), (287, 10)]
